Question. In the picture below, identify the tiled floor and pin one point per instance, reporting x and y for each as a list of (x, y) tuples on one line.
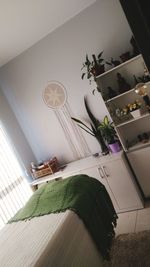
[(134, 221)]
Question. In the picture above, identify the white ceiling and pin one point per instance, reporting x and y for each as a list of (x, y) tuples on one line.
[(25, 22)]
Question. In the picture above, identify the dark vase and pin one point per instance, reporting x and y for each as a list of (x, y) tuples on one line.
[(103, 146)]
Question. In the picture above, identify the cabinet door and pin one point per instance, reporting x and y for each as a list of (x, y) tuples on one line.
[(139, 160), (121, 185), (98, 173)]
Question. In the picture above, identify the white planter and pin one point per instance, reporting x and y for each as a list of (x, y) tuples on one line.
[(136, 113)]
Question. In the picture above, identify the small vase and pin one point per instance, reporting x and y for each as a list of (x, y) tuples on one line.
[(136, 113), (115, 147)]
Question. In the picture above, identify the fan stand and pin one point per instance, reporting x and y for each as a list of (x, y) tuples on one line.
[(55, 97)]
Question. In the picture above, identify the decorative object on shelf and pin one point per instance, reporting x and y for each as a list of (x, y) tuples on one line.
[(91, 69), (136, 113), (135, 47), (144, 137), (125, 56), (135, 80), (98, 66), (146, 77), (122, 84), (109, 134), (113, 62), (44, 168), (94, 131), (121, 115), (111, 93), (140, 89), (132, 108)]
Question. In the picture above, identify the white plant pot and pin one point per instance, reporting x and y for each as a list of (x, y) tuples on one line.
[(136, 113)]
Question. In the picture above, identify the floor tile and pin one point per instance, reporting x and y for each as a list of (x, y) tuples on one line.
[(143, 220), (126, 222)]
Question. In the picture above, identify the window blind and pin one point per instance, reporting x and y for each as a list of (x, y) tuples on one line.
[(14, 188)]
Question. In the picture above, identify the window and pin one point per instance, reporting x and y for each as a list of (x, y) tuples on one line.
[(14, 188)]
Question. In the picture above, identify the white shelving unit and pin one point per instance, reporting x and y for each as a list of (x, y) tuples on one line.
[(128, 128)]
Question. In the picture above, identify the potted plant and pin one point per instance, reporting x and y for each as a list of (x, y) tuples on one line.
[(91, 69), (135, 109), (94, 131), (109, 134)]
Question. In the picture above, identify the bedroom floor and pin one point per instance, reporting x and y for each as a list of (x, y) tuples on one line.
[(134, 221)]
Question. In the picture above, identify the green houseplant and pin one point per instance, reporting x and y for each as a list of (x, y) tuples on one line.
[(109, 134), (91, 69), (93, 130)]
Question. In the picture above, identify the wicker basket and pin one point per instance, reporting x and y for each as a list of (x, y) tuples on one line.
[(48, 169)]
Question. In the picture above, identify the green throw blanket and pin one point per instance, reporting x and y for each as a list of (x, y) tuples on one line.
[(86, 196)]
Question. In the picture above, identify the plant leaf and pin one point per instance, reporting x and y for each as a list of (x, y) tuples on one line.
[(93, 119), (83, 74), (80, 122), (109, 63), (100, 54), (86, 130)]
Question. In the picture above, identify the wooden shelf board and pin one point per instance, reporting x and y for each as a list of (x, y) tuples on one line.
[(132, 120), (118, 67)]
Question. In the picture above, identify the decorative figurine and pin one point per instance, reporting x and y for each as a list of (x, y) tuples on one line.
[(111, 92), (122, 84), (140, 89), (125, 56), (113, 62)]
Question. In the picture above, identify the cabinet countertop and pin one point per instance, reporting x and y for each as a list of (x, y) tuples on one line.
[(78, 165)]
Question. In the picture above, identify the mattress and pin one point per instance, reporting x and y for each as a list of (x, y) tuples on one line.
[(48, 241)]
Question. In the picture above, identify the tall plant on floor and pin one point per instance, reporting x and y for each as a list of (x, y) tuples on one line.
[(94, 131)]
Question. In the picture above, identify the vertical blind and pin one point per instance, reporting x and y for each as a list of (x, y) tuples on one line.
[(14, 189)]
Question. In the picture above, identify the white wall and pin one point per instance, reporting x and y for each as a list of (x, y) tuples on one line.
[(59, 56), (15, 134)]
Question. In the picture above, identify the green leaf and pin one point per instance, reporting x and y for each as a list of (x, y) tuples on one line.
[(86, 130), (83, 74), (100, 54), (93, 119), (93, 91), (106, 121), (109, 63), (80, 122)]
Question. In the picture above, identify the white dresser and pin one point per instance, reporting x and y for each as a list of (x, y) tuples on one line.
[(111, 170)]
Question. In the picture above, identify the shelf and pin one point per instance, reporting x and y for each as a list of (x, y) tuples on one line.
[(118, 67), (132, 120), (123, 94), (118, 96), (138, 146)]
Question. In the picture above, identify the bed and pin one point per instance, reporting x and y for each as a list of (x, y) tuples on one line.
[(65, 233)]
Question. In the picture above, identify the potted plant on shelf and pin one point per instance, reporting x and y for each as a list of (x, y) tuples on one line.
[(94, 131), (109, 134), (91, 69), (135, 109)]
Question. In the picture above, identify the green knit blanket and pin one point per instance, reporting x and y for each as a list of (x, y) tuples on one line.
[(86, 196)]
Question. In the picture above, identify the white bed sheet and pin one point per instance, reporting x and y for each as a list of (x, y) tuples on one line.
[(55, 240)]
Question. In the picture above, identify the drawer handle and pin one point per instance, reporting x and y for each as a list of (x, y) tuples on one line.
[(101, 173), (105, 171)]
